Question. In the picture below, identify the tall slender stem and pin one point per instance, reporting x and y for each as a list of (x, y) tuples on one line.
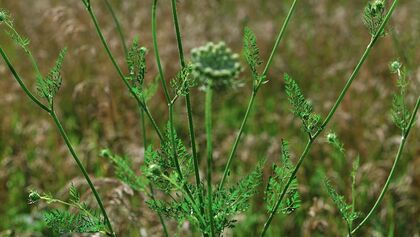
[(25, 48), (51, 112), (82, 168), (394, 165), (120, 73), (254, 92), (118, 26), (332, 111), (238, 137), (208, 122), (359, 64), (279, 37), (21, 83), (156, 51), (142, 117), (188, 103)]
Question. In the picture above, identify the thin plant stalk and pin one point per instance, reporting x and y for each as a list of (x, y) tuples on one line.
[(156, 51), (21, 83), (330, 114), (26, 49), (142, 117), (208, 122), (188, 103), (120, 73), (63, 133), (117, 25), (255, 91), (394, 165)]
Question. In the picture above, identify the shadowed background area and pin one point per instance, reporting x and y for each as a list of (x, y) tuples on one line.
[(322, 45)]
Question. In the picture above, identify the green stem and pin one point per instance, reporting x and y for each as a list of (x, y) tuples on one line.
[(280, 37), (391, 173), (152, 191), (332, 112), (256, 89), (64, 135), (26, 49), (142, 118), (359, 65), (208, 122), (238, 137), (82, 168), (188, 103), (117, 25), (283, 193), (156, 51), (21, 83), (120, 73)]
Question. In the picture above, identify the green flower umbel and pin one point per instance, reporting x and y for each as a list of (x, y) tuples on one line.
[(216, 65)]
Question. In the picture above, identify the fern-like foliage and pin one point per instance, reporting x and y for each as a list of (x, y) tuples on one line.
[(124, 172), (82, 220), (180, 209), (335, 142), (11, 31), (137, 69), (374, 15), (400, 113), (302, 108), (136, 61), (346, 210), (63, 222), (252, 54), (160, 164), (184, 80), (48, 87), (230, 201), (277, 183)]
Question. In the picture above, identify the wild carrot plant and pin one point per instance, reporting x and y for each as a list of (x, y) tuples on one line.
[(171, 167)]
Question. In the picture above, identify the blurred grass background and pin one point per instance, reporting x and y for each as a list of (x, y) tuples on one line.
[(324, 41)]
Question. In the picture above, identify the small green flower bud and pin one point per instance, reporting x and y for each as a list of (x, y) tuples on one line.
[(33, 197), (3, 16), (332, 137), (395, 66)]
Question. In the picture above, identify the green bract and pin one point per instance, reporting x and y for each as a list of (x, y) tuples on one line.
[(215, 64)]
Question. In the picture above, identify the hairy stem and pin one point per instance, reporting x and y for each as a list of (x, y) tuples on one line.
[(331, 113), (394, 165), (208, 122), (257, 87)]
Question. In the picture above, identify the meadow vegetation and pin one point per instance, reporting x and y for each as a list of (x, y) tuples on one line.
[(209, 118)]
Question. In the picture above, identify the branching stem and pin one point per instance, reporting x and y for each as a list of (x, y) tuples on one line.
[(120, 73), (188, 104), (394, 165), (331, 113), (254, 93)]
